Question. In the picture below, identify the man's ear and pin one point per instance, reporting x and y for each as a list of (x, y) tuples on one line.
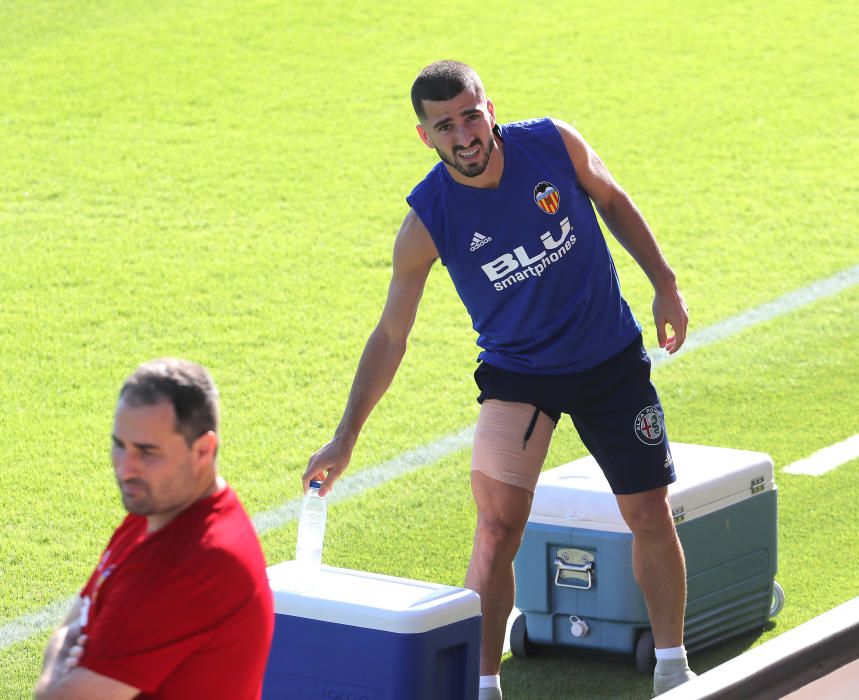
[(491, 109), (424, 136), (205, 448)]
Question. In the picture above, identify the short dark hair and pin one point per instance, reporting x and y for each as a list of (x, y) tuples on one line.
[(443, 80), (186, 385)]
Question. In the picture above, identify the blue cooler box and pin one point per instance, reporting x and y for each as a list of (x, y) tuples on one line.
[(574, 580), (360, 636)]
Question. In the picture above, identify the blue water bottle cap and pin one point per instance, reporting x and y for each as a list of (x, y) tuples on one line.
[(315, 484)]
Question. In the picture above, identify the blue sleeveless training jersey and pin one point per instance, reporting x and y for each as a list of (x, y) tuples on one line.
[(528, 258)]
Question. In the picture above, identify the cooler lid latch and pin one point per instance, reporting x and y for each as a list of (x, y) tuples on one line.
[(758, 484)]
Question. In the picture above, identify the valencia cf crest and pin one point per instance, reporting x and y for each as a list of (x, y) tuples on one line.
[(547, 197)]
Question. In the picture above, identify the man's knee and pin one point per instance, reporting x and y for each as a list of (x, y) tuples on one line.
[(500, 531), (648, 514), (502, 513), (497, 541)]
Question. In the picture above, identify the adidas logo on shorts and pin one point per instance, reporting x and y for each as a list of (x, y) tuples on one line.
[(479, 240)]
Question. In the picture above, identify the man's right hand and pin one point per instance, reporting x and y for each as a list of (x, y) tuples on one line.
[(76, 651), (327, 464)]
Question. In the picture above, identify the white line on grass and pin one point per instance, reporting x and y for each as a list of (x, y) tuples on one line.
[(766, 312), (826, 459), (34, 623), (366, 479)]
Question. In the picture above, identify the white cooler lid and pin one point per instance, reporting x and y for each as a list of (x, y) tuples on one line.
[(577, 494), (371, 601)]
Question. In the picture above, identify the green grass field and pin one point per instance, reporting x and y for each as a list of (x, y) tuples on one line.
[(222, 181)]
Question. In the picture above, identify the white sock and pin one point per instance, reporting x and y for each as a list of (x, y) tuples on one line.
[(490, 682), (670, 653)]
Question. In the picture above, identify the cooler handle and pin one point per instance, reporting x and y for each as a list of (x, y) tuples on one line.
[(579, 568)]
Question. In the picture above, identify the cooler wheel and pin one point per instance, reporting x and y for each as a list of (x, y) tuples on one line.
[(778, 599), (645, 659), (519, 644)]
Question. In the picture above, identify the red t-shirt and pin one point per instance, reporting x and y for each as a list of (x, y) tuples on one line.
[(184, 612)]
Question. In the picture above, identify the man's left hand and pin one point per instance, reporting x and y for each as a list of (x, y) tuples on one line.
[(669, 309)]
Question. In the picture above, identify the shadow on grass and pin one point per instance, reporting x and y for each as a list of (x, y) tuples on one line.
[(563, 673)]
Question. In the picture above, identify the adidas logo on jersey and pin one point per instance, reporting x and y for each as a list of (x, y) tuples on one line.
[(478, 241)]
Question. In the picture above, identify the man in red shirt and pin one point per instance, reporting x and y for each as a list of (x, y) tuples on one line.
[(179, 605)]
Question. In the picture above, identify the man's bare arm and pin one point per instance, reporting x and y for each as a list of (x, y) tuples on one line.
[(414, 254), (628, 225), (83, 684)]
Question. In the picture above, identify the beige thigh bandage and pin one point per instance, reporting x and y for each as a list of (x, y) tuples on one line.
[(500, 448)]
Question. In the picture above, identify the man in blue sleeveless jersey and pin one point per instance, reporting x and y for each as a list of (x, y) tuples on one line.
[(509, 211)]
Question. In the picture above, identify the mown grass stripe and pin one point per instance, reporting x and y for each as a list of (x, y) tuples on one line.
[(34, 623)]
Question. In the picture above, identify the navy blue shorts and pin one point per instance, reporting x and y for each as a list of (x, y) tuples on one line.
[(614, 407)]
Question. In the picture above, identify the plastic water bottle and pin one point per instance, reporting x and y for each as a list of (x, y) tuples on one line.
[(311, 535)]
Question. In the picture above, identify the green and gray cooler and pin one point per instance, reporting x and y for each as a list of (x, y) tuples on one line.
[(574, 580)]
